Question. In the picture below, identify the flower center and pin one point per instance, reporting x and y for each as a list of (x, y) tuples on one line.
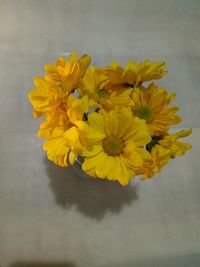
[(102, 93), (113, 145), (145, 113)]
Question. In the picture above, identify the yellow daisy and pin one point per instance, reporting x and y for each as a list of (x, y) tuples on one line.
[(160, 150), (67, 73), (94, 84), (78, 108), (64, 149), (177, 148), (45, 97), (152, 104), (58, 122), (153, 162), (63, 138), (134, 74), (54, 125), (117, 150), (59, 81)]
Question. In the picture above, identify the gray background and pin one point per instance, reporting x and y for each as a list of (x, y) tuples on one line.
[(51, 217)]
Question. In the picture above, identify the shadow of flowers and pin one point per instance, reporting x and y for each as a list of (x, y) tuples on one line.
[(92, 197)]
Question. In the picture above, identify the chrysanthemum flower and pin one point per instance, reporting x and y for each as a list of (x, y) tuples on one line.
[(117, 150), (152, 104), (67, 73), (153, 162), (59, 81), (94, 85), (64, 149), (63, 137), (177, 148), (134, 74), (54, 125), (161, 149), (78, 108), (60, 121)]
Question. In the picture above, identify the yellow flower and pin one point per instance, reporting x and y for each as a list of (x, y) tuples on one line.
[(117, 149), (176, 147), (134, 74), (58, 122), (161, 149), (67, 74), (77, 108), (45, 97), (54, 125), (151, 104), (60, 80), (63, 138), (153, 162), (94, 84), (65, 148)]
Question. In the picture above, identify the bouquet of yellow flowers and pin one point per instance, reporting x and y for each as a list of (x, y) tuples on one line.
[(108, 117)]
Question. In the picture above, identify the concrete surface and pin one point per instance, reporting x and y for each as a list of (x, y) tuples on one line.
[(51, 217)]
